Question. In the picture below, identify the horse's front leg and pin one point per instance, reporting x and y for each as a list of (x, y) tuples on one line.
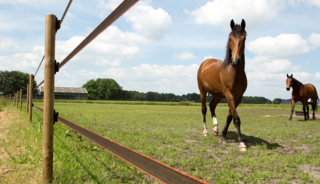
[(236, 119), (292, 109)]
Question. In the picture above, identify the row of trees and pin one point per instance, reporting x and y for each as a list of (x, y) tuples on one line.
[(11, 82), (109, 89)]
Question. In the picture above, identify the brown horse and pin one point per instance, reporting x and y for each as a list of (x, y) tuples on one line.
[(225, 79), (302, 93)]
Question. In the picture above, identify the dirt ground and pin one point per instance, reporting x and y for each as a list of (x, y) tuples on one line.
[(4, 124)]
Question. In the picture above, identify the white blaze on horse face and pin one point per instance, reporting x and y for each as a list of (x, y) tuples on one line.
[(205, 128), (215, 124)]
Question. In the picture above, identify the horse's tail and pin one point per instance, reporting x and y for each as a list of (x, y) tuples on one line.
[(315, 108)]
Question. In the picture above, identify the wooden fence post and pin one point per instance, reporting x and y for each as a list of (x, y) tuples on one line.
[(20, 99), (14, 101), (48, 98), (17, 99), (27, 99), (30, 97), (10, 100)]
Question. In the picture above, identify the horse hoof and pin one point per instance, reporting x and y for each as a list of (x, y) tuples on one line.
[(215, 133), (244, 149), (289, 119), (205, 135)]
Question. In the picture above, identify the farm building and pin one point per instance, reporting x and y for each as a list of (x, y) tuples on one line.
[(69, 93)]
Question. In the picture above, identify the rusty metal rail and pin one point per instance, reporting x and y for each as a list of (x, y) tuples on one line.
[(121, 9), (154, 168), (38, 85)]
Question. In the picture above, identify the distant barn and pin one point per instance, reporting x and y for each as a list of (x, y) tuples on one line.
[(68, 93)]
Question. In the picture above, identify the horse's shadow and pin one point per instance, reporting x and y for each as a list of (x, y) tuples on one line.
[(252, 140)]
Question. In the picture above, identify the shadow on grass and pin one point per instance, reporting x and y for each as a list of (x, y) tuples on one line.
[(79, 161), (309, 120), (252, 140)]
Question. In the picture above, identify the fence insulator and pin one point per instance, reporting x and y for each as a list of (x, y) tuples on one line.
[(55, 116), (56, 67)]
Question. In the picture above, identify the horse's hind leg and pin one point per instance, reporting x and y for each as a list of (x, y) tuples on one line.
[(314, 105), (204, 111), (304, 112), (308, 111), (213, 105)]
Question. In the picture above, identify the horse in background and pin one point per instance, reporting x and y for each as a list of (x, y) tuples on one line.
[(225, 79), (302, 92)]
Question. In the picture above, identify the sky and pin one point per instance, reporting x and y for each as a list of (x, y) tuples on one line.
[(159, 45)]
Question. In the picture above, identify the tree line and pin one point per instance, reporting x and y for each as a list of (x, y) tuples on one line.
[(11, 82), (109, 89)]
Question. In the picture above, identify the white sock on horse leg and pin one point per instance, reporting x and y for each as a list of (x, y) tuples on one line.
[(205, 128), (215, 124)]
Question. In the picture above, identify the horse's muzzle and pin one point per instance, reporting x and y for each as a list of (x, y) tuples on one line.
[(236, 62), (288, 89)]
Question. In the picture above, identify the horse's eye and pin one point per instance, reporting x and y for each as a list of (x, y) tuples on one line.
[(229, 40)]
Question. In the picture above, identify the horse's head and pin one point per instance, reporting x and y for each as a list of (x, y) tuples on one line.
[(237, 40), (289, 82)]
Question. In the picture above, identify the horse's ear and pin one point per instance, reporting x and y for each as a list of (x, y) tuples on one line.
[(232, 24), (287, 75), (291, 75), (243, 24)]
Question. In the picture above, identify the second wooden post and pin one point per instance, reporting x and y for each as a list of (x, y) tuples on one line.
[(20, 99), (48, 98), (30, 97)]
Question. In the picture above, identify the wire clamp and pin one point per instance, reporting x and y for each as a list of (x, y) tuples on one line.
[(58, 24), (55, 116), (56, 66)]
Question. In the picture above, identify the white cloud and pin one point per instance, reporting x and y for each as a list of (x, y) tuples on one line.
[(283, 46), (220, 12), (296, 3), (103, 62), (314, 39), (185, 55), (317, 76), (151, 23), (28, 1), (26, 62), (178, 79), (6, 43), (264, 64), (110, 47)]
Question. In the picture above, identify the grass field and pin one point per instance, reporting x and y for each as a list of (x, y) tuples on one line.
[(279, 151)]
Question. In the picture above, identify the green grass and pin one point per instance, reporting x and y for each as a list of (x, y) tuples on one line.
[(182, 103), (277, 148)]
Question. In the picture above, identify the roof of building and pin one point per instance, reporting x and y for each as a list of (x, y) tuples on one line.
[(67, 90)]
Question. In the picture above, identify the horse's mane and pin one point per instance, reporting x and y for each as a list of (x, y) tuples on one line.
[(297, 83), (237, 31)]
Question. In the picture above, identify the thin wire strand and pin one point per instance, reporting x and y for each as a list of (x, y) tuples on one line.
[(65, 12), (120, 10), (39, 66)]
